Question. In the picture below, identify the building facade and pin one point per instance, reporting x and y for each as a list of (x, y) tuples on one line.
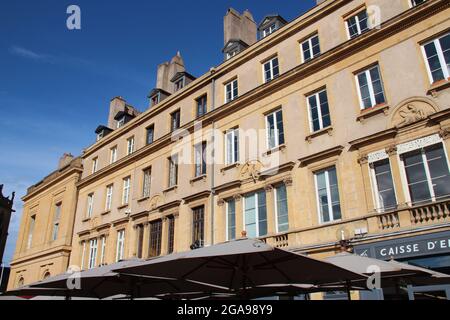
[(44, 241), (327, 132)]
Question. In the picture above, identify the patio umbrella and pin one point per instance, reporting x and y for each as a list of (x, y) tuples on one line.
[(241, 264), (391, 272), (103, 282), (29, 292)]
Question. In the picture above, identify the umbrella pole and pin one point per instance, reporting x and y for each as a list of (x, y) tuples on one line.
[(349, 294)]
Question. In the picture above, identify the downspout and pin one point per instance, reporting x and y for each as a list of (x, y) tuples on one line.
[(213, 156)]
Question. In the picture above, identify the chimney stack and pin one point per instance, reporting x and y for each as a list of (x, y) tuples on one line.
[(239, 27), (65, 160)]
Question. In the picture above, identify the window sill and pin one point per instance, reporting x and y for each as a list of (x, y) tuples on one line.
[(86, 220), (328, 130), (438, 86), (280, 148), (122, 206), (197, 179), (170, 189), (105, 213), (143, 199), (230, 167), (373, 111)]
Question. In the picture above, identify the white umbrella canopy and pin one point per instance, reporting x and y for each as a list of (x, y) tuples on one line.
[(241, 264), (103, 282)]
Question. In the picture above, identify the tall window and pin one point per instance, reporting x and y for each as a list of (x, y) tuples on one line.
[(173, 171), (94, 165), (328, 195), (232, 146), (113, 155), (201, 106), (310, 48), (130, 145), (231, 91), (371, 91), (109, 197), (357, 24), (103, 251), (427, 174), (31, 231), (175, 120), (271, 69), (198, 226), (140, 240), (319, 111), (200, 159), (90, 205), (83, 254), (126, 191), (383, 185), (275, 129), (282, 209), (146, 184), (150, 134), (120, 248), (56, 221), (437, 56), (155, 238), (255, 214), (92, 253), (231, 219), (171, 235)]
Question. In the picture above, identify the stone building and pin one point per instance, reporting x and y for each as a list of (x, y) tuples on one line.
[(325, 133)]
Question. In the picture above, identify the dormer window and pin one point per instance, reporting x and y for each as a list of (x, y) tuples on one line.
[(179, 84), (232, 54), (102, 132), (100, 136), (155, 99), (269, 30), (120, 122), (270, 24)]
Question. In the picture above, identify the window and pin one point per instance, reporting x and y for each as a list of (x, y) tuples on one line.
[(371, 91), (120, 245), (103, 251), (171, 236), (126, 191), (255, 214), (83, 254), (200, 159), (357, 24), (175, 120), (173, 171), (231, 91), (275, 129), (56, 221), (179, 84), (31, 231), (383, 185), (232, 146), (328, 195), (427, 174), (232, 53), (94, 165), (113, 155), (319, 111), (100, 135), (201, 106), (90, 205), (130, 145), (109, 197), (231, 219), (92, 253), (416, 2), (282, 209), (310, 48), (146, 184), (437, 56), (140, 240), (155, 99), (121, 122), (150, 134), (155, 238), (271, 70), (198, 226), (269, 30)]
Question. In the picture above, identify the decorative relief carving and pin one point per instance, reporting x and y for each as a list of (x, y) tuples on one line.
[(418, 144), (251, 169), (377, 156), (237, 197), (391, 150), (268, 188), (220, 202), (363, 159), (94, 223), (412, 110), (444, 133), (155, 202), (288, 182)]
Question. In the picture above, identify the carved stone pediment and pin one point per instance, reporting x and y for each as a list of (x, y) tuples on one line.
[(412, 110), (251, 169)]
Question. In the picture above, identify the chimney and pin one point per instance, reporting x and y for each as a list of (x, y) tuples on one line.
[(239, 27), (167, 70), (176, 65), (162, 77), (65, 160), (117, 104)]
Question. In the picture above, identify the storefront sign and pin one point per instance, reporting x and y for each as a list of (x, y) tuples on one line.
[(430, 244)]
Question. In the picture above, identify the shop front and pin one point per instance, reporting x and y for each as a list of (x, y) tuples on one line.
[(430, 251)]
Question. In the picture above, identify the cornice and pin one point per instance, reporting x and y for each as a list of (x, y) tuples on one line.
[(323, 154), (197, 196), (58, 250)]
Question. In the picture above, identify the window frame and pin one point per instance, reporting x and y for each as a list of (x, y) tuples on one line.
[(103, 250), (277, 225), (277, 135), (412, 3), (440, 54), (93, 250), (109, 197), (113, 155), (373, 101), (120, 245), (146, 189), (94, 165), (198, 222), (126, 190), (173, 169), (271, 64), (234, 132), (234, 88), (56, 221), (200, 149), (316, 95), (269, 29), (310, 47), (90, 205), (329, 196), (357, 23), (201, 102), (257, 213), (130, 145), (175, 120), (150, 128), (375, 188), (227, 220)]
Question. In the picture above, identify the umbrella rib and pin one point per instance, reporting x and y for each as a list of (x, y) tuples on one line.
[(275, 267)]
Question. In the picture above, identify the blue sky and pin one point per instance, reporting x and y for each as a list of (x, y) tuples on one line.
[(56, 84)]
